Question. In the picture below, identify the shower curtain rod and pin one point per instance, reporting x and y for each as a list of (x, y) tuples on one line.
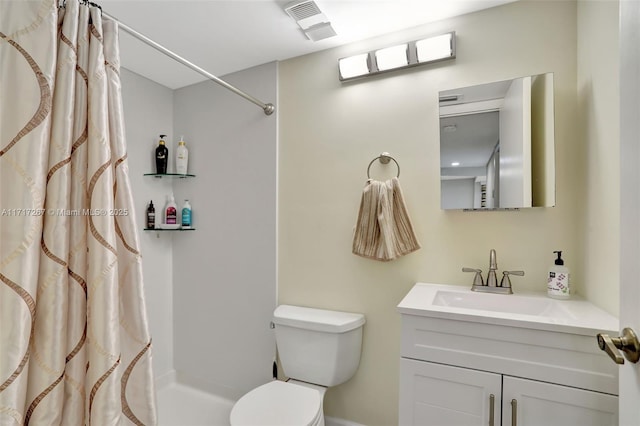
[(267, 108)]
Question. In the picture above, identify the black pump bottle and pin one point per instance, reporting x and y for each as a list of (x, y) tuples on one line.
[(162, 157), (151, 216)]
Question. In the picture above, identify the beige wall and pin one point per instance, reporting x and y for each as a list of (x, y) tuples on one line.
[(599, 111), (329, 131)]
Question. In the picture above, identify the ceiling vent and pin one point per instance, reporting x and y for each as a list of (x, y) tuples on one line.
[(320, 31), (312, 21), (300, 10)]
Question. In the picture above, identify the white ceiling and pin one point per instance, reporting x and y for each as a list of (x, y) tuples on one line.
[(224, 36)]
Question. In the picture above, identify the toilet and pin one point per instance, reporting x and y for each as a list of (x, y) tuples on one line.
[(318, 349)]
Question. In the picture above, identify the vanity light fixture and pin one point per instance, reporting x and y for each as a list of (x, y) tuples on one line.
[(455, 164), (413, 53), (354, 66), (435, 48), (392, 57)]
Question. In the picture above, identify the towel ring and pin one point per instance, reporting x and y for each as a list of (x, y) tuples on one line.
[(384, 158)]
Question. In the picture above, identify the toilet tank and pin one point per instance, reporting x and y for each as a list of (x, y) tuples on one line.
[(316, 345)]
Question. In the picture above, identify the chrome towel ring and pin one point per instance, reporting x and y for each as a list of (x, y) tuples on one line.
[(384, 158)]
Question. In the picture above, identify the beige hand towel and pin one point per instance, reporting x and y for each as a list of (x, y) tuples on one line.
[(383, 229)]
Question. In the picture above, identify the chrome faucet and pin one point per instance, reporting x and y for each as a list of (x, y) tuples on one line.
[(492, 280), (492, 285)]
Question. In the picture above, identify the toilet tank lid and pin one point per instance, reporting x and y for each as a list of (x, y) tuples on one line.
[(317, 319)]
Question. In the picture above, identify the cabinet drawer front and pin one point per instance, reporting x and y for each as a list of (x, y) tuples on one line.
[(545, 404), (435, 394), (562, 358)]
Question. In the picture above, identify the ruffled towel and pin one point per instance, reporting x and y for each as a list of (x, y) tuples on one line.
[(383, 230)]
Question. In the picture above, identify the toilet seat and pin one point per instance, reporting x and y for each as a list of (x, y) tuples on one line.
[(278, 403)]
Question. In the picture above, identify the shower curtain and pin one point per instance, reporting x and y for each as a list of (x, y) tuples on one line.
[(74, 342)]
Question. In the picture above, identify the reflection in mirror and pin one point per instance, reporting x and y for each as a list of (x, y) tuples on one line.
[(497, 145)]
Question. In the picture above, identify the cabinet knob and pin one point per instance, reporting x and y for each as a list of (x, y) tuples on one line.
[(628, 343)]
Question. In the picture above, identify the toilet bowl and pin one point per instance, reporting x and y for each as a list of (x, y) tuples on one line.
[(318, 349), (280, 403)]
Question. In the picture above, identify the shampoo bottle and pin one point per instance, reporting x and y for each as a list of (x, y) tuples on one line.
[(182, 157), (162, 156), (170, 212), (558, 279), (151, 216), (186, 214)]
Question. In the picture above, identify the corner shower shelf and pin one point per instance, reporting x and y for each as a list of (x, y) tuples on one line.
[(169, 175)]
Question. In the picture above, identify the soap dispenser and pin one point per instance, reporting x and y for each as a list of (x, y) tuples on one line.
[(558, 279), (182, 157), (162, 156)]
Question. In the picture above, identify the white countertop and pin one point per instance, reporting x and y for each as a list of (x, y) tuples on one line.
[(525, 310)]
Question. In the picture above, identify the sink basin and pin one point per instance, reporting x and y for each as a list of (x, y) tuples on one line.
[(523, 305), (527, 310)]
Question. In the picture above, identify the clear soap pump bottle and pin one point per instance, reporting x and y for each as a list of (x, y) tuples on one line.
[(558, 279)]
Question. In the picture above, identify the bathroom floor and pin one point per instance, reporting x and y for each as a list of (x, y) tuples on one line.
[(180, 405)]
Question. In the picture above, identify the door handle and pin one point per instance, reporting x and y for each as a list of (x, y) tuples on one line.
[(628, 343)]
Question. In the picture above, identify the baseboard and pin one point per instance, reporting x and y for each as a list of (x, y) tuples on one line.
[(332, 421)]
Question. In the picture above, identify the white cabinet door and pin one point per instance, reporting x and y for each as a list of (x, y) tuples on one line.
[(515, 145), (629, 39), (436, 394), (545, 404)]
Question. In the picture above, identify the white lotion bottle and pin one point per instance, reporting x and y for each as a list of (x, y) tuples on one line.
[(182, 157), (558, 285)]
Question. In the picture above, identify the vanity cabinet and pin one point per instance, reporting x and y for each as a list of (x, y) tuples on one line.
[(530, 403), (443, 395), (466, 366), (437, 394)]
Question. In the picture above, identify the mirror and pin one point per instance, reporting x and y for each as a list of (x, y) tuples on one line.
[(497, 148)]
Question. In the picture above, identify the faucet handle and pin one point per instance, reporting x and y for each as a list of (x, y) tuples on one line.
[(477, 279), (506, 281)]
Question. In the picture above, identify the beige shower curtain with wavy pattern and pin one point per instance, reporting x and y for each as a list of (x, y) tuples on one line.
[(74, 340)]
